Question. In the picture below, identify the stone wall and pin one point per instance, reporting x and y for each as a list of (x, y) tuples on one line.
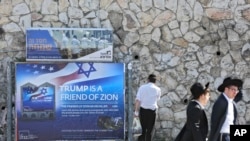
[(182, 41)]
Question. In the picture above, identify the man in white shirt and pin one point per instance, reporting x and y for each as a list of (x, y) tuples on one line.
[(102, 43), (64, 46), (75, 47), (224, 112), (146, 106), (85, 42)]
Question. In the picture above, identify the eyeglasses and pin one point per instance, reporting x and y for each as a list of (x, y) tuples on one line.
[(235, 90)]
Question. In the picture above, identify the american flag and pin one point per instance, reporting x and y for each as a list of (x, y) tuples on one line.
[(57, 73)]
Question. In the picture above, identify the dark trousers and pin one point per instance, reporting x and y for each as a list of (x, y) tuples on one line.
[(147, 119), (224, 137)]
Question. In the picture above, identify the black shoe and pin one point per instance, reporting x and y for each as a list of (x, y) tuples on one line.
[(141, 138)]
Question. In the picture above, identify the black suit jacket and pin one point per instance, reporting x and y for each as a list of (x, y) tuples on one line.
[(218, 117), (196, 126)]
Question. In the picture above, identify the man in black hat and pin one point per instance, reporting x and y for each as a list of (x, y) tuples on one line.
[(196, 126), (224, 112)]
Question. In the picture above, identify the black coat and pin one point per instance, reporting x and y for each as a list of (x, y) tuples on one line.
[(196, 126), (218, 117)]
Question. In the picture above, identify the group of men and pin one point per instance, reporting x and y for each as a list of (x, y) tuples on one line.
[(224, 111), (77, 45)]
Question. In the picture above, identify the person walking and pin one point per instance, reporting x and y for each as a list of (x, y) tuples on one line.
[(75, 47), (64, 48), (146, 106), (85, 42), (196, 126), (224, 111)]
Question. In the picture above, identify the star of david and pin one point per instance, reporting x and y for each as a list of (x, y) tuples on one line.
[(86, 69), (43, 91)]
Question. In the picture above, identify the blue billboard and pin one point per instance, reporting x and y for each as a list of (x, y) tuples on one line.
[(69, 101), (69, 44)]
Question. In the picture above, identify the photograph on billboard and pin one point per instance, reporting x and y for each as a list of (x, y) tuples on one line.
[(69, 101), (69, 44)]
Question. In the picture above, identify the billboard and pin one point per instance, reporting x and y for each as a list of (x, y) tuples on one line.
[(69, 44), (69, 101)]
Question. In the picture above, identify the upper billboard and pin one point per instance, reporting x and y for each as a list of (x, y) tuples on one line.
[(69, 44)]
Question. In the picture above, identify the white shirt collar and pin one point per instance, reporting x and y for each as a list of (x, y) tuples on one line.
[(228, 99), (199, 103)]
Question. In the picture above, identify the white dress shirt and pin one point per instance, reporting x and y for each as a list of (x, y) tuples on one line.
[(229, 117), (148, 94)]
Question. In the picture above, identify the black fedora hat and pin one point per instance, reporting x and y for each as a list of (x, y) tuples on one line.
[(197, 89), (152, 77), (230, 82)]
